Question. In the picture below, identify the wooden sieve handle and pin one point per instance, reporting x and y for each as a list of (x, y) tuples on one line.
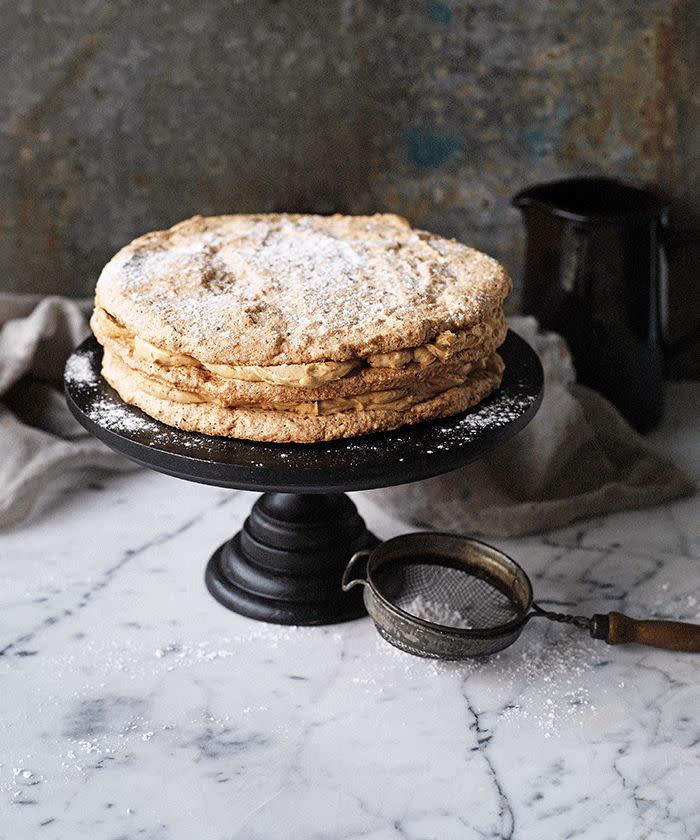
[(619, 629)]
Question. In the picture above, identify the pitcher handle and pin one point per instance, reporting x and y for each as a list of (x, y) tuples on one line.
[(671, 346), (663, 304)]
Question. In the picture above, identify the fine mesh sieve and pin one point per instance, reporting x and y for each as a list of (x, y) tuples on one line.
[(451, 597)]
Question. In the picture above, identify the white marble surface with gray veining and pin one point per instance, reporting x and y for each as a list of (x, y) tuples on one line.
[(133, 706)]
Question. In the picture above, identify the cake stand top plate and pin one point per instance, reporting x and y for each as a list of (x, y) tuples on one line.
[(408, 454)]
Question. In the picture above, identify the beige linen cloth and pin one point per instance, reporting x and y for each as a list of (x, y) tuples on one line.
[(577, 458), (42, 448)]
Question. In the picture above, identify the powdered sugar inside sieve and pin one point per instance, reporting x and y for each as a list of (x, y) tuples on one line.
[(442, 594)]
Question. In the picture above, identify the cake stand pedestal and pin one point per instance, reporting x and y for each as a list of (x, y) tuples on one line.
[(285, 564)]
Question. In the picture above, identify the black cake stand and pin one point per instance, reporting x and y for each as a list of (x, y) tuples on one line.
[(285, 564)]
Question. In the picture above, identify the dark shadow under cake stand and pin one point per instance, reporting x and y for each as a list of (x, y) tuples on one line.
[(285, 564)]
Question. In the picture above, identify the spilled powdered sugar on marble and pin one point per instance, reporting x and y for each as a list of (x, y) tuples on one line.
[(133, 705)]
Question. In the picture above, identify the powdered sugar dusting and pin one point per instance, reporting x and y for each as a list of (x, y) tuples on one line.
[(115, 416), (80, 369), (262, 289), (118, 417)]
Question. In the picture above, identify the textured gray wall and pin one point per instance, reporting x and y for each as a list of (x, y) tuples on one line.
[(119, 117)]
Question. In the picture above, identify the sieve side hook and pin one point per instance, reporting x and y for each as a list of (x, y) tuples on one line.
[(347, 581), (580, 621)]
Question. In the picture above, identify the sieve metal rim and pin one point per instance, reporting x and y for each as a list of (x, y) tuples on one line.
[(429, 540)]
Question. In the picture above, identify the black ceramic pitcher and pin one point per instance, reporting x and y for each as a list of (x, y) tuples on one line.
[(593, 272)]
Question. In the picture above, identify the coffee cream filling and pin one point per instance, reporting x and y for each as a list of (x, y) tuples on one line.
[(396, 399), (445, 345)]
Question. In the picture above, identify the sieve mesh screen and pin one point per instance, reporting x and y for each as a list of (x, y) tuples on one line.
[(442, 594)]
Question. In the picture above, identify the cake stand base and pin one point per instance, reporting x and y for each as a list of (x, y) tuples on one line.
[(285, 565)]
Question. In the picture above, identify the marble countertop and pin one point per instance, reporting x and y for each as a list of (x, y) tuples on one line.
[(132, 705)]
